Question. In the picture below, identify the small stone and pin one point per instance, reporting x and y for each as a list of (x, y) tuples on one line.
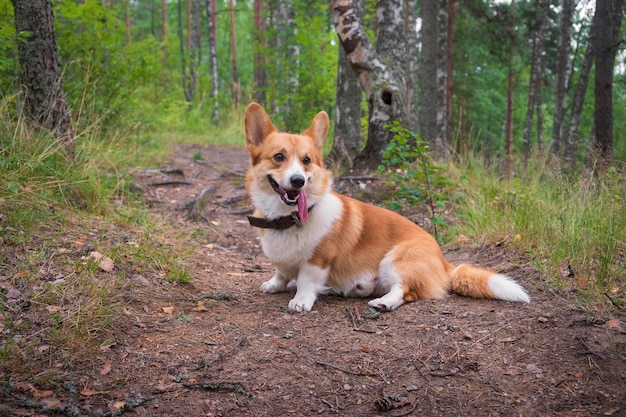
[(13, 294)]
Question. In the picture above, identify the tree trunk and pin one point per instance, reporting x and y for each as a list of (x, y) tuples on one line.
[(233, 54), (538, 34), (195, 56), (127, 21), (347, 140), (429, 101), (45, 101), (571, 139), (509, 164), (287, 62), (183, 58), (561, 72), (452, 4), (211, 13), (442, 149), (412, 79), (539, 102), (163, 20), (608, 20), (260, 46), (381, 83)]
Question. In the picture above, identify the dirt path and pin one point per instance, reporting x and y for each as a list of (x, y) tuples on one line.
[(218, 347)]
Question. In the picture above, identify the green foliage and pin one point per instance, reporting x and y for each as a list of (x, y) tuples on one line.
[(106, 79), (415, 178), (564, 223)]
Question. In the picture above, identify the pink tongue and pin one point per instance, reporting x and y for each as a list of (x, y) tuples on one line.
[(303, 211)]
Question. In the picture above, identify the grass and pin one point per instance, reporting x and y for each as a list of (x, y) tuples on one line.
[(573, 228), (56, 305)]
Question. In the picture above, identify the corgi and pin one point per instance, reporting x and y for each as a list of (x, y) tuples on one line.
[(328, 243)]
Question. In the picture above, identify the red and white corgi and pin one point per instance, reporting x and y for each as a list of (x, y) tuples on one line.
[(332, 244)]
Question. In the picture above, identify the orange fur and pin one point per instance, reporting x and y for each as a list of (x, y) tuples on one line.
[(347, 247)]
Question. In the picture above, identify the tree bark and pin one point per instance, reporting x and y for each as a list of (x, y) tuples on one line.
[(561, 72), (538, 33), (608, 20), (127, 20), (429, 102), (260, 46), (163, 19), (211, 13), (183, 58), (509, 164), (382, 84), (412, 78), (233, 54), (571, 139), (347, 139), (452, 4), (442, 148), (45, 101)]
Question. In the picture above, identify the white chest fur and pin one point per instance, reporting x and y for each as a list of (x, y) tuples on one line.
[(293, 247)]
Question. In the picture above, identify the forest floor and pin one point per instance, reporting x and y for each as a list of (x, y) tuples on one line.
[(217, 346)]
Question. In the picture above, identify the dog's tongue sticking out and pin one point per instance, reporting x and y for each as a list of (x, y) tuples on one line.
[(303, 211)]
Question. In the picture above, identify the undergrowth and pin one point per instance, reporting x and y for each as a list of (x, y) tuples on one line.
[(414, 177), (56, 304), (572, 226)]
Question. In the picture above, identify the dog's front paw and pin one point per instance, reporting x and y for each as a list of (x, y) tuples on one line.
[(302, 304), (273, 285)]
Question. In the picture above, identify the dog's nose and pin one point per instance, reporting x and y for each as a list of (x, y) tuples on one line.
[(297, 181)]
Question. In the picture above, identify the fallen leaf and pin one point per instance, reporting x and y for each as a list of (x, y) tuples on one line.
[(106, 368), (39, 394), (200, 307), (365, 348), (614, 324), (51, 402), (117, 405), (89, 392), (53, 309), (168, 310)]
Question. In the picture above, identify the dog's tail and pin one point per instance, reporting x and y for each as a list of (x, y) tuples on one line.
[(472, 281)]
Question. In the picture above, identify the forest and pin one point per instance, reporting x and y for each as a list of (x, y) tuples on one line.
[(504, 79), (129, 277)]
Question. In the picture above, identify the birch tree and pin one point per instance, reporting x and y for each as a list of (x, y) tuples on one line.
[(382, 83), (211, 15), (347, 134)]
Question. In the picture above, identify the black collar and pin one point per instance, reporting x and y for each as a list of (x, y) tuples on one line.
[(280, 223)]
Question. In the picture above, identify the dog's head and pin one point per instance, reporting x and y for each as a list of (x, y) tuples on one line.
[(286, 170)]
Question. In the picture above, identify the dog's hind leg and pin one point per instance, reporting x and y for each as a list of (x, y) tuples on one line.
[(390, 301)]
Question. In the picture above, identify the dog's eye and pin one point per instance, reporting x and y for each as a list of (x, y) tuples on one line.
[(306, 161), (279, 157)]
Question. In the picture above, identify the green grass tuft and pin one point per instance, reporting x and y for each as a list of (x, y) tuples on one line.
[(575, 229)]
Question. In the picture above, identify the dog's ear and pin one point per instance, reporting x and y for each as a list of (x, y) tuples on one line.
[(318, 129), (258, 124)]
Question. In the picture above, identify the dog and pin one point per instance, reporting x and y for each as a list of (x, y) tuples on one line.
[(328, 243)]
